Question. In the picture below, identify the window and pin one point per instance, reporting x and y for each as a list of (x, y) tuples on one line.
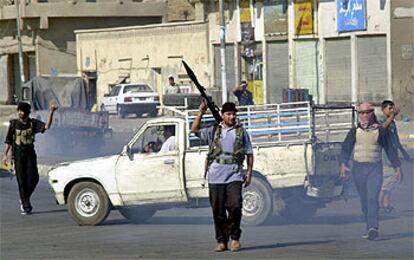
[(156, 139), (114, 91), (137, 88)]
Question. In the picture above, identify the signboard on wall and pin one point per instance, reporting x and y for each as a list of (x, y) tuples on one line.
[(350, 15), (303, 17), (275, 16), (247, 30)]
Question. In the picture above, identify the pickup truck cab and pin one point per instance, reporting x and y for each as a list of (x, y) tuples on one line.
[(295, 172)]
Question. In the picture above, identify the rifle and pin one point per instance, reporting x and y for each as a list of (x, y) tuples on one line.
[(210, 104)]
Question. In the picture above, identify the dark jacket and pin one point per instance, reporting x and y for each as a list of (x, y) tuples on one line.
[(384, 140)]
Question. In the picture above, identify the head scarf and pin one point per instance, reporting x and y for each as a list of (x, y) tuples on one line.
[(367, 118)]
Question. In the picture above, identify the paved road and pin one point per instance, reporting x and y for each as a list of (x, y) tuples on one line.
[(188, 233)]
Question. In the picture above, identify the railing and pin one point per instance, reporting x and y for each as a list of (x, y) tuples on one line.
[(285, 123)]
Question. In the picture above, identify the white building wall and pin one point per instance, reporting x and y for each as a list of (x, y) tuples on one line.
[(142, 51)]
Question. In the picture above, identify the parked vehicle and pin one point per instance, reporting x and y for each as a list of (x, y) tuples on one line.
[(295, 168), (74, 127), (127, 99)]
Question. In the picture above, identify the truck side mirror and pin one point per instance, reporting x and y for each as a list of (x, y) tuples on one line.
[(106, 95), (126, 150)]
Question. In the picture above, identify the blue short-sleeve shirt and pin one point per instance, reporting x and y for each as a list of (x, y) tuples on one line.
[(225, 173)]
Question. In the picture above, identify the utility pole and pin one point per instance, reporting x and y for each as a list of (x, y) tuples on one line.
[(223, 53), (19, 41)]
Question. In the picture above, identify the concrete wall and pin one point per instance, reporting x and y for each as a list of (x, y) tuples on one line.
[(142, 52), (402, 49)]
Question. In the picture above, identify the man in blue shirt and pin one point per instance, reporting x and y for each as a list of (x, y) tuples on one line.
[(229, 145)]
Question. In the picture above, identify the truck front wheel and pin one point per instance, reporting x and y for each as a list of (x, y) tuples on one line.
[(257, 202), (137, 214), (88, 204)]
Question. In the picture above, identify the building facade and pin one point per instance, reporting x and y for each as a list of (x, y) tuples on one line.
[(48, 39), (341, 51), (143, 54)]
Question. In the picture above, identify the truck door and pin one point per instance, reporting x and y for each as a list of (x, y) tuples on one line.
[(152, 171)]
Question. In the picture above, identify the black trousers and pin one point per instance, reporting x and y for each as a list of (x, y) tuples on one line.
[(368, 182), (27, 175), (226, 203)]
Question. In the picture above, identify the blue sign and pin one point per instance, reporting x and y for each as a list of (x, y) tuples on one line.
[(350, 15)]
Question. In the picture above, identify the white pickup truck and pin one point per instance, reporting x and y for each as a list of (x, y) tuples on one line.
[(295, 167)]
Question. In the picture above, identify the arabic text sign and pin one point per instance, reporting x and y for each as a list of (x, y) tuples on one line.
[(303, 17), (350, 15)]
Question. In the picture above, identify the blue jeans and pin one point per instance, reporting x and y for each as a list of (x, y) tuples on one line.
[(368, 182)]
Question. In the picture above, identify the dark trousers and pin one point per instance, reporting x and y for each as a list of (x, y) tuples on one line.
[(26, 174), (368, 182), (226, 203)]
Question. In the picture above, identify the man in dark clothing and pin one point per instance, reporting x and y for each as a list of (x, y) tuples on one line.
[(20, 137), (243, 95), (229, 145), (367, 141)]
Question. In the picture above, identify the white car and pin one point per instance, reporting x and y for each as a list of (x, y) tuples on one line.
[(134, 98)]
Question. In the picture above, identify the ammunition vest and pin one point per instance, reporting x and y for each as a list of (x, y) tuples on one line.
[(215, 149), (367, 148), (24, 137)]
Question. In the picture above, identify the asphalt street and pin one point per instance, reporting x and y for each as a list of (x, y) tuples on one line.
[(188, 233), (49, 233)]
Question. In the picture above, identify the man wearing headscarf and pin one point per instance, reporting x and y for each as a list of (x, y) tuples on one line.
[(366, 141), (20, 137)]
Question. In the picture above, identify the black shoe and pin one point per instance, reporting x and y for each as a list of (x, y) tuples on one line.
[(25, 211), (372, 233)]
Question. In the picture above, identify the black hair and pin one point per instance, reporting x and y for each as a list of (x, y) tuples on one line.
[(387, 103), (170, 78), (25, 107), (169, 128)]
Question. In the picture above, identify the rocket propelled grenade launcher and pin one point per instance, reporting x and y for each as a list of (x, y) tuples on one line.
[(210, 104)]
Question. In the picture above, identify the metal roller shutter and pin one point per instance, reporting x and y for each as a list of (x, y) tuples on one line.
[(372, 68), (338, 70), (307, 66), (277, 70)]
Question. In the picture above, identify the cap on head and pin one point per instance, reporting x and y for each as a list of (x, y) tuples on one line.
[(25, 107), (365, 107), (228, 107), (387, 103)]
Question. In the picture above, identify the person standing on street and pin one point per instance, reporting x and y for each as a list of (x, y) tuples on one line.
[(244, 96), (389, 111), (366, 141), (172, 87), (20, 138), (229, 145)]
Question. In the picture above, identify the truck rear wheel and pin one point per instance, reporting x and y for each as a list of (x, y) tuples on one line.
[(257, 202), (137, 214), (88, 204)]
